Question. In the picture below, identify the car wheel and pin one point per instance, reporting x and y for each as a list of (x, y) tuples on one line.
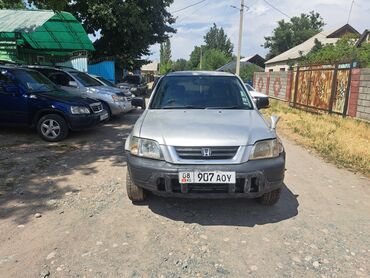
[(107, 108), (270, 198), (52, 128), (134, 193)]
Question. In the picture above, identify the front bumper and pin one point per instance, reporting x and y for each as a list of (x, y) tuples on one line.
[(78, 122), (118, 108), (253, 178)]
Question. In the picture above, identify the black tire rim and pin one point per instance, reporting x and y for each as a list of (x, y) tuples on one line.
[(50, 129)]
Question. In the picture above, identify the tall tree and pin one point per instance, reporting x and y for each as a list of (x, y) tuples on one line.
[(179, 65), (194, 59), (291, 33), (165, 57), (217, 39), (42, 4), (213, 59)]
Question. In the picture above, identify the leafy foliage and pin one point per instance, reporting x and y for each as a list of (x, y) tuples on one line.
[(213, 59), (289, 34), (180, 65), (247, 71), (194, 60), (56, 5), (344, 51), (217, 39), (165, 57)]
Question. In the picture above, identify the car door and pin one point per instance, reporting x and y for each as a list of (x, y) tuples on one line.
[(13, 102)]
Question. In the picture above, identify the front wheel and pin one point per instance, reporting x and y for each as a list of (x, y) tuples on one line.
[(52, 128), (134, 193), (270, 198)]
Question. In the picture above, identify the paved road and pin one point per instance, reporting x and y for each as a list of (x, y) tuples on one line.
[(89, 228)]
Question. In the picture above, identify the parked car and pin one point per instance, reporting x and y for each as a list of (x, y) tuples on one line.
[(103, 81), (74, 81), (29, 98), (203, 136), (257, 96), (135, 83)]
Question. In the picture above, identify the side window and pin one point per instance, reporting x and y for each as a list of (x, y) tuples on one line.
[(60, 78), (5, 82)]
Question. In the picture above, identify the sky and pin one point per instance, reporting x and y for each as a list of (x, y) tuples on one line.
[(259, 21)]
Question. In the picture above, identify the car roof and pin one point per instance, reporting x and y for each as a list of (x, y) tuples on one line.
[(15, 67), (199, 73), (53, 68)]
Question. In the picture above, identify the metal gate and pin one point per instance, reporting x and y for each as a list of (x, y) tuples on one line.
[(324, 88)]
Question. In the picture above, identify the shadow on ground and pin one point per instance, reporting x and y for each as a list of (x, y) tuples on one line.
[(227, 212), (33, 173)]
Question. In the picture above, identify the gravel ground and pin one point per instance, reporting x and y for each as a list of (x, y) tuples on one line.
[(64, 213)]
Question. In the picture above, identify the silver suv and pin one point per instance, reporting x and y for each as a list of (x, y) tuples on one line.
[(115, 100), (203, 136)]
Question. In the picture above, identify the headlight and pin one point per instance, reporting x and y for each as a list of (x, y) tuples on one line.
[(266, 149), (118, 98), (145, 148), (133, 89), (80, 110)]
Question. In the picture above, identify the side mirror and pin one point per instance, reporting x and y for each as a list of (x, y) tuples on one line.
[(138, 102), (274, 120), (262, 103), (72, 84)]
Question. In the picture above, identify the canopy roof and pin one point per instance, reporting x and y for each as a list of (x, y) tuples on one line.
[(46, 30)]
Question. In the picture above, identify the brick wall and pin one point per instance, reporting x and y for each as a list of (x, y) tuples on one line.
[(273, 84), (363, 100)]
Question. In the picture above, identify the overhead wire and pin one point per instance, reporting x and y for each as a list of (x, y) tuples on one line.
[(187, 7)]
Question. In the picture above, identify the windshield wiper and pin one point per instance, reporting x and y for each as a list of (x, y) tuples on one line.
[(228, 107), (182, 107)]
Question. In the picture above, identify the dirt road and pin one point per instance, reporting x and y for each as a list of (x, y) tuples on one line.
[(64, 213)]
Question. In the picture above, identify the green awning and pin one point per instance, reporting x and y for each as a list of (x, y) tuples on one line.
[(46, 30)]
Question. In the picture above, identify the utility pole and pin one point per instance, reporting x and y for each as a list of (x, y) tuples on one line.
[(240, 36)]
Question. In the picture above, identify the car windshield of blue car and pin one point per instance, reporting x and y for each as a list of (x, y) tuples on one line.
[(201, 92), (86, 80), (34, 81)]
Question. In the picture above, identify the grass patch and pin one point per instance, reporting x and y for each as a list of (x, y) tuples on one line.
[(343, 141)]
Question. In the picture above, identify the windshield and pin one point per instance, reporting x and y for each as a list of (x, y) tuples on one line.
[(105, 81), (132, 79), (34, 81), (249, 87), (200, 92), (85, 79)]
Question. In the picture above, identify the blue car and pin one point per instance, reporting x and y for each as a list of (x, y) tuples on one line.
[(28, 98)]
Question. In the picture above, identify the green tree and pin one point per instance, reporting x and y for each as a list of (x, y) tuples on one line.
[(179, 65), (194, 59), (57, 5), (217, 39), (289, 34), (213, 59), (344, 51), (247, 71), (165, 64)]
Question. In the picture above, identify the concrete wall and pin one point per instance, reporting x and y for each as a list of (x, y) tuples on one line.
[(274, 84), (363, 101)]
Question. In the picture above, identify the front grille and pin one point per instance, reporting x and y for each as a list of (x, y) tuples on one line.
[(206, 152), (96, 107)]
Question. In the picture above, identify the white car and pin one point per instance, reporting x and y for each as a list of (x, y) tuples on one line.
[(257, 96)]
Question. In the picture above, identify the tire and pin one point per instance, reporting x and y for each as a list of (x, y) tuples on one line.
[(270, 198), (107, 108), (52, 128), (134, 193)]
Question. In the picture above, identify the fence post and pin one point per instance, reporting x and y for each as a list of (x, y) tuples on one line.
[(296, 87), (347, 91), (333, 89)]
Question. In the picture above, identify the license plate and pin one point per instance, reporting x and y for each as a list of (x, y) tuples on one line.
[(207, 177), (104, 117)]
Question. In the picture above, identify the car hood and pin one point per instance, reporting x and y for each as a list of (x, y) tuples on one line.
[(205, 127), (105, 90), (65, 97)]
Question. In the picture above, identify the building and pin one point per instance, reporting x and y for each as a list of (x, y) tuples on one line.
[(43, 37), (255, 60), (151, 68), (365, 38), (289, 58)]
